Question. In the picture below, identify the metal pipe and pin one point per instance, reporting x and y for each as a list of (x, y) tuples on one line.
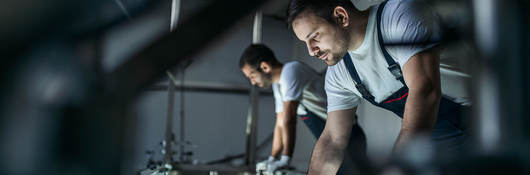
[(213, 87), (123, 9), (175, 4), (252, 117), (256, 29), (169, 123), (175, 7), (500, 87), (175, 11), (182, 138), (488, 112)]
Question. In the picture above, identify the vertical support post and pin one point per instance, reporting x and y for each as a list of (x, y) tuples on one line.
[(488, 128), (252, 117), (169, 123), (500, 110), (182, 140), (175, 5)]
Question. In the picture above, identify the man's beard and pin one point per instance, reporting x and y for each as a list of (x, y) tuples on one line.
[(337, 57), (267, 80), (341, 50), (333, 57)]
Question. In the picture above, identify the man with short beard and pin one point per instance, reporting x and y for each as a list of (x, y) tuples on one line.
[(388, 55), (298, 90)]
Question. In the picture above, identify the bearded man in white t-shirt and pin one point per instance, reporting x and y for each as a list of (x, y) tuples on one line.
[(298, 91), (389, 56)]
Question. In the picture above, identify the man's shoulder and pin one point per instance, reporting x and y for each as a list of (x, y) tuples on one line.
[(275, 89), (294, 65), (296, 69), (408, 22), (404, 12)]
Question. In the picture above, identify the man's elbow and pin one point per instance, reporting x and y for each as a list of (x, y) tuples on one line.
[(430, 91), (287, 121), (434, 94), (339, 142)]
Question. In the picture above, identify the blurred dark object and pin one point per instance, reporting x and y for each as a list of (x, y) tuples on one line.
[(60, 113)]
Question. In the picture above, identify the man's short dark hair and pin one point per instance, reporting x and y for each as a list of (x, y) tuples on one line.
[(321, 8), (257, 53)]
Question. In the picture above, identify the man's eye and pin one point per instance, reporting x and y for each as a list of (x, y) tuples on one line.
[(315, 37)]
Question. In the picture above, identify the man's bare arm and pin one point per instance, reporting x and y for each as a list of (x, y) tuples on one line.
[(277, 138), (287, 125), (422, 76), (329, 150)]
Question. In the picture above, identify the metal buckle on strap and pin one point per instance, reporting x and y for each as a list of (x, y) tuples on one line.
[(395, 70), (362, 89)]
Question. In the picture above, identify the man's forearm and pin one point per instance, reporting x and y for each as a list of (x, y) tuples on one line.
[(420, 115), (276, 142), (287, 124), (288, 135), (327, 156), (422, 76), (328, 153)]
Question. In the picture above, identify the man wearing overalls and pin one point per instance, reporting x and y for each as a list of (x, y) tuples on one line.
[(387, 55), (298, 90)]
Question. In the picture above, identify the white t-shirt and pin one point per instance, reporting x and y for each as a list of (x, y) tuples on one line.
[(402, 21), (299, 82)]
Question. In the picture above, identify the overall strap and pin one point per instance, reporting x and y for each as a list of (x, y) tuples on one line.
[(393, 67), (358, 84)]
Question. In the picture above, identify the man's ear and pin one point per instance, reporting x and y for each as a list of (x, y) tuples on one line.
[(265, 67), (341, 16)]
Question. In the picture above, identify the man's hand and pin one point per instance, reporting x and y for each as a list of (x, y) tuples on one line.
[(262, 166), (283, 162)]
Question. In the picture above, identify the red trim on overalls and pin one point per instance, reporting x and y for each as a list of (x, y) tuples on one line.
[(305, 118), (397, 99)]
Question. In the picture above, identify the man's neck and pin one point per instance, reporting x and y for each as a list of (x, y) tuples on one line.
[(357, 31), (276, 73)]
